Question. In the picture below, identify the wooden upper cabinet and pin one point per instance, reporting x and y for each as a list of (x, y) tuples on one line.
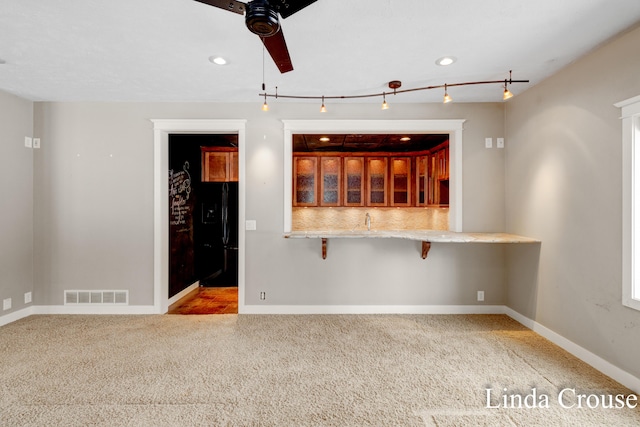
[(376, 181), (422, 180), (443, 163), (438, 180), (305, 178), (400, 180), (330, 181), (219, 166), (233, 166), (353, 181)]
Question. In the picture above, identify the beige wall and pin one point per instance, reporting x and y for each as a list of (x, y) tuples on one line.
[(94, 209), (563, 186), (16, 196)]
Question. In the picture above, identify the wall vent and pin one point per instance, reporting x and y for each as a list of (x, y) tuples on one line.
[(76, 297)]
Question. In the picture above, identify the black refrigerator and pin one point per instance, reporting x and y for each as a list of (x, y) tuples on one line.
[(217, 235)]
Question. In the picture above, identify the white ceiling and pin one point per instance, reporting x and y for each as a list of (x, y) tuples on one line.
[(158, 50)]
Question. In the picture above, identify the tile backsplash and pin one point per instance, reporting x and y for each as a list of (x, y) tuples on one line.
[(342, 218)]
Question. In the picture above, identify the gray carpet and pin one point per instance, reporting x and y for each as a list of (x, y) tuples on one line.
[(249, 370)]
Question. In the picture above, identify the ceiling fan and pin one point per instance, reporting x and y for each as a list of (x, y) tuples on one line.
[(261, 17)]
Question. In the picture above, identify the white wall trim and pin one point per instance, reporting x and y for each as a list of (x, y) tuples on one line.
[(161, 130), (453, 127), (16, 315), (94, 309), (581, 353), (373, 309), (630, 110), (177, 297)]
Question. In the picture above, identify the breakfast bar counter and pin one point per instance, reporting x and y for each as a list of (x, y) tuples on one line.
[(425, 236)]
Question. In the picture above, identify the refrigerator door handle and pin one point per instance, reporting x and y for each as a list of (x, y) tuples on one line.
[(225, 213)]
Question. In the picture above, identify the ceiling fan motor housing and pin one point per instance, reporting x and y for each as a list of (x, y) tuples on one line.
[(261, 18)]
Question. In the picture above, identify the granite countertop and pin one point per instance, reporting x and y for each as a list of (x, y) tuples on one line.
[(435, 236)]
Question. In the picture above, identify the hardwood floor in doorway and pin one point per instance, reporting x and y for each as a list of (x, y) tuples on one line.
[(208, 301)]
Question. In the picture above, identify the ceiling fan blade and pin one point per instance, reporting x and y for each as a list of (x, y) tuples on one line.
[(287, 8), (230, 5), (277, 48)]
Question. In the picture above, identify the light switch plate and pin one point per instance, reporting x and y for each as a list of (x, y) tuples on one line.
[(36, 142), (488, 142), (500, 142), (28, 141), (250, 224)]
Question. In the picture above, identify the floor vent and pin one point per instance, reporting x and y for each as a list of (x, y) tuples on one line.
[(74, 297)]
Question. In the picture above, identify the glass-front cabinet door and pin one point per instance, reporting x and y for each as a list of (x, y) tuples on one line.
[(400, 181), (376, 181), (422, 179), (330, 180), (354, 181), (305, 173)]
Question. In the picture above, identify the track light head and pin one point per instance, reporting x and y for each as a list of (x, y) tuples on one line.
[(385, 106), (447, 98), (507, 93)]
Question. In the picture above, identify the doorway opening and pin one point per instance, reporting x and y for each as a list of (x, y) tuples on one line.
[(203, 222)]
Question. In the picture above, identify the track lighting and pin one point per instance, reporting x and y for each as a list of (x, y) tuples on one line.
[(385, 106), (265, 106), (447, 97), (323, 109), (395, 85)]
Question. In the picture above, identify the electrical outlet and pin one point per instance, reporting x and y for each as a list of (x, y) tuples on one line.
[(500, 142), (36, 142), (28, 141), (27, 297), (6, 304), (263, 296), (480, 295), (488, 142)]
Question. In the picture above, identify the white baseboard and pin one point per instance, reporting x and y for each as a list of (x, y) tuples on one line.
[(183, 293), (94, 309), (623, 377), (371, 309), (16, 315)]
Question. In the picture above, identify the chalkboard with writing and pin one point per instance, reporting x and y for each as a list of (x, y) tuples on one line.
[(179, 191), (181, 225)]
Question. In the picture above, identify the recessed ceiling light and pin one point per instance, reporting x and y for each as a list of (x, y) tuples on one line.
[(218, 60), (445, 60)]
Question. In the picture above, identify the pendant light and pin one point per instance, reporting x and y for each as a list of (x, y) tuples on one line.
[(385, 106), (507, 93), (447, 98), (323, 109)]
